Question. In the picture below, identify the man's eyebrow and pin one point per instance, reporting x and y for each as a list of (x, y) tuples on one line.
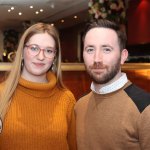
[(107, 45), (89, 46)]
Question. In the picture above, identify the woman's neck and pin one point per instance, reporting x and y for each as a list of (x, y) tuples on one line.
[(33, 78)]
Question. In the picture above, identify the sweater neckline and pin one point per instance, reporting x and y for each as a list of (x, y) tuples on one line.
[(38, 89), (108, 95), (116, 85)]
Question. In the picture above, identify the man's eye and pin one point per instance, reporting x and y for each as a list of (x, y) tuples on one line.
[(90, 50), (107, 50)]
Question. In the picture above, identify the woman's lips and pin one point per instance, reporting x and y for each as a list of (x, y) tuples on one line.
[(39, 64)]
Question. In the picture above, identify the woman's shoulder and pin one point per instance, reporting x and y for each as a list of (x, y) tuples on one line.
[(2, 85), (68, 94)]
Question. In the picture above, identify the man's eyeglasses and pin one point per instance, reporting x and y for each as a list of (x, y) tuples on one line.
[(34, 50)]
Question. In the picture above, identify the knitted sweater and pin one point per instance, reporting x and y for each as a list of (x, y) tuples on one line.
[(40, 117), (116, 121)]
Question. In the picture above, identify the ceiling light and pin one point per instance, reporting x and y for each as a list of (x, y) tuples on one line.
[(31, 7), (62, 20), (75, 17), (20, 13), (41, 10), (12, 8), (52, 5), (36, 12), (9, 10)]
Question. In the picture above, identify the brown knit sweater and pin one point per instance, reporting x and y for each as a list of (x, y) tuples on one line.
[(115, 121), (40, 118)]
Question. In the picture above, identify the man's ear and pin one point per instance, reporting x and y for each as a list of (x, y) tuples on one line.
[(124, 56)]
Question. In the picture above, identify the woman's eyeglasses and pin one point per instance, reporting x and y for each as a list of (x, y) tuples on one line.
[(34, 50)]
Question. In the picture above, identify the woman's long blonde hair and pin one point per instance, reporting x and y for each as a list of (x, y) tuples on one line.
[(15, 73)]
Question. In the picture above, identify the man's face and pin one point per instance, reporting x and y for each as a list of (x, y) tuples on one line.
[(102, 55)]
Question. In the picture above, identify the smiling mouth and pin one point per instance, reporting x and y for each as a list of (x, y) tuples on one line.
[(39, 64)]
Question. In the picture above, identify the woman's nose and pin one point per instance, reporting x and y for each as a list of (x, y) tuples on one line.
[(41, 55)]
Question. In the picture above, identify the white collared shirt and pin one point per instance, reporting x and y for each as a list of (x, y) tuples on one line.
[(118, 84)]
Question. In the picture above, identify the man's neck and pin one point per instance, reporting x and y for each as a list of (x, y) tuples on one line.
[(99, 86)]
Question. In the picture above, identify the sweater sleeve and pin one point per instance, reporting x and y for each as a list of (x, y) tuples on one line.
[(71, 123), (144, 129)]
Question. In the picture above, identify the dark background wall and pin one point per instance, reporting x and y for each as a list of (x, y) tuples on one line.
[(138, 27)]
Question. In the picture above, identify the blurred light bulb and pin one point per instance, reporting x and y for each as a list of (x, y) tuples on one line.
[(20, 13)]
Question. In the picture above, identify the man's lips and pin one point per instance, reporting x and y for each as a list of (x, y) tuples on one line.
[(98, 70), (98, 67)]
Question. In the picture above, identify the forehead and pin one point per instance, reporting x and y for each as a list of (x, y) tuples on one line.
[(100, 34), (42, 39)]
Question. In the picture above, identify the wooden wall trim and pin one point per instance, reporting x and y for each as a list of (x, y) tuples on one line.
[(126, 66), (80, 66)]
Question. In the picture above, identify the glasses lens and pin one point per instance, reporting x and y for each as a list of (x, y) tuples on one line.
[(49, 53), (34, 49)]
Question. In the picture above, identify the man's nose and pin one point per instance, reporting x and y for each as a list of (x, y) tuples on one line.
[(98, 57)]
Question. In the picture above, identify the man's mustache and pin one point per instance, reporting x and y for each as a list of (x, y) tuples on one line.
[(98, 65)]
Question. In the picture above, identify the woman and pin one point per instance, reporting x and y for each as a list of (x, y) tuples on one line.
[(36, 109)]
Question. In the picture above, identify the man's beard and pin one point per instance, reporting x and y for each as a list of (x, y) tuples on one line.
[(107, 74)]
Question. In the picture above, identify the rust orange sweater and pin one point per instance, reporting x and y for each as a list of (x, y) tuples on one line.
[(40, 117)]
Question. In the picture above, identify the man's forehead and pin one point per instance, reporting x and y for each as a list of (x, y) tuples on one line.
[(99, 30)]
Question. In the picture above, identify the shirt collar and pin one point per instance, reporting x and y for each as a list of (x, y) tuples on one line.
[(118, 84)]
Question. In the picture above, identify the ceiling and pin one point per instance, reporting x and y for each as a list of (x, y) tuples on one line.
[(53, 11)]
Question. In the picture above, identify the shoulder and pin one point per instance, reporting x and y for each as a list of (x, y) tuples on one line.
[(2, 85), (68, 95), (83, 101), (140, 97)]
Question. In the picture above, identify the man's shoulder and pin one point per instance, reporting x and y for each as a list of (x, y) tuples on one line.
[(83, 100), (140, 97)]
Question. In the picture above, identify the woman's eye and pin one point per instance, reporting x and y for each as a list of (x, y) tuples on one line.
[(33, 48), (49, 51)]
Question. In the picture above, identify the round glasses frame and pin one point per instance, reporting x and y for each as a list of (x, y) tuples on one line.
[(35, 50)]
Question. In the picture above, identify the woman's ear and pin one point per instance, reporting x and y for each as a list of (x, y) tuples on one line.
[(124, 56)]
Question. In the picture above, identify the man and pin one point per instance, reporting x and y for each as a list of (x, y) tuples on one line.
[(115, 115)]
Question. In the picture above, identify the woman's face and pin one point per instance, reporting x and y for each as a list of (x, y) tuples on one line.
[(38, 55)]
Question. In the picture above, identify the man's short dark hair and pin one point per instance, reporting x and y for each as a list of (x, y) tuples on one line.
[(103, 23)]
